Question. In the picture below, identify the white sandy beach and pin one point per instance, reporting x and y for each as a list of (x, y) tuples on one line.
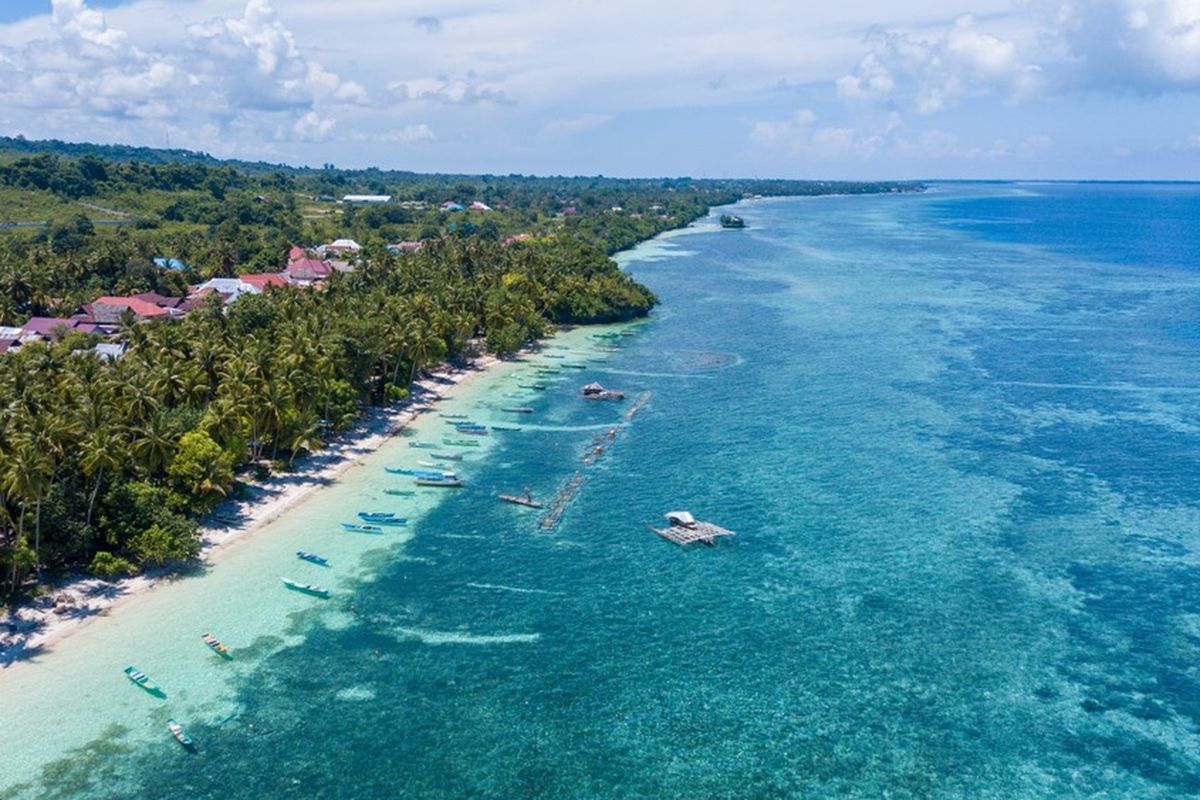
[(76, 602)]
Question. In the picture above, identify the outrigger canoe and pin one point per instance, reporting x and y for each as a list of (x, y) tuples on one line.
[(312, 557), (460, 442), (180, 734), (518, 410), (423, 445), (448, 456), (506, 427), (376, 516), (306, 588), (521, 501), (357, 528), (446, 482), (400, 492), (143, 680), (480, 431), (537, 387), (215, 645), (453, 416)]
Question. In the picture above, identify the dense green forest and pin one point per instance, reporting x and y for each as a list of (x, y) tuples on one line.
[(105, 465)]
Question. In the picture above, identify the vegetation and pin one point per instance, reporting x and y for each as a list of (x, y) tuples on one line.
[(104, 465)]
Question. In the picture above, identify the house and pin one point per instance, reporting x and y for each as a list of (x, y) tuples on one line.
[(109, 352), (478, 206), (307, 271), (41, 329), (110, 310), (520, 237), (367, 198), (296, 253), (340, 247), (262, 281), (172, 264), (231, 289), (405, 247), (450, 205)]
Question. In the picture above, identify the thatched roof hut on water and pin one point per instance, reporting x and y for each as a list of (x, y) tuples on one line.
[(594, 391)]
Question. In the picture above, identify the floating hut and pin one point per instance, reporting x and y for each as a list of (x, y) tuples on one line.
[(594, 391), (684, 529)]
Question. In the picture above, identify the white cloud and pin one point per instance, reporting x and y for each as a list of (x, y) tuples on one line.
[(932, 73), (572, 125), (799, 136), (410, 134)]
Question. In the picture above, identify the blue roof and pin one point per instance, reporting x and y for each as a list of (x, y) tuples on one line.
[(172, 263)]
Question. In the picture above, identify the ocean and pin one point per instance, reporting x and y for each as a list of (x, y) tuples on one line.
[(957, 434)]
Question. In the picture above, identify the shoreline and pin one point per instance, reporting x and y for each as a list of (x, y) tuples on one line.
[(29, 631)]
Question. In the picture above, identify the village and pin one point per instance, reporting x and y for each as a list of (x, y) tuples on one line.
[(305, 268)]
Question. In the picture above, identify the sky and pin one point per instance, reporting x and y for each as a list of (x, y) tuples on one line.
[(856, 89)]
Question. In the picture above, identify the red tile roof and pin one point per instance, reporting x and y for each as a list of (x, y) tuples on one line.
[(262, 280), (139, 307)]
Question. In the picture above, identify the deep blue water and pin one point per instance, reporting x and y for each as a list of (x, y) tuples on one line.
[(958, 435)]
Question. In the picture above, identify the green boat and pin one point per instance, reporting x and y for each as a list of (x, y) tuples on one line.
[(461, 442), (400, 492), (306, 588), (143, 680)]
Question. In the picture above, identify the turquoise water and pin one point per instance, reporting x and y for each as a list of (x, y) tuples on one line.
[(958, 435)]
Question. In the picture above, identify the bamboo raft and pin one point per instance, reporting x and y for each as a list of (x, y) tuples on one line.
[(560, 501), (685, 530)]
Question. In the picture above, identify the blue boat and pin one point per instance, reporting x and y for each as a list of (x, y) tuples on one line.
[(424, 445), (389, 520), (313, 557), (373, 516), (506, 427), (419, 473)]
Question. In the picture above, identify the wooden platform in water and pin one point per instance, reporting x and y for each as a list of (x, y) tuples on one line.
[(704, 532)]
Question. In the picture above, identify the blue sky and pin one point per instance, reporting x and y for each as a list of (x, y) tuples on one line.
[(856, 89)]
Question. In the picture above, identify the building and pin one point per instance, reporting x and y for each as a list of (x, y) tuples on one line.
[(231, 289), (307, 271), (405, 247), (450, 205), (367, 198), (479, 206), (173, 264), (340, 247), (111, 310)]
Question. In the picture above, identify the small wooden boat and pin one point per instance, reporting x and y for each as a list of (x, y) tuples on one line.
[(400, 492), (453, 416), (143, 680), (553, 355), (448, 456), (305, 588), (605, 335), (506, 427), (537, 387), (312, 557), (446, 482), (424, 473), (390, 522), (460, 442), (374, 516), (481, 431), (435, 464), (462, 423), (521, 501), (362, 528), (422, 445), (629, 333), (180, 734), (518, 410), (575, 366), (215, 645)]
